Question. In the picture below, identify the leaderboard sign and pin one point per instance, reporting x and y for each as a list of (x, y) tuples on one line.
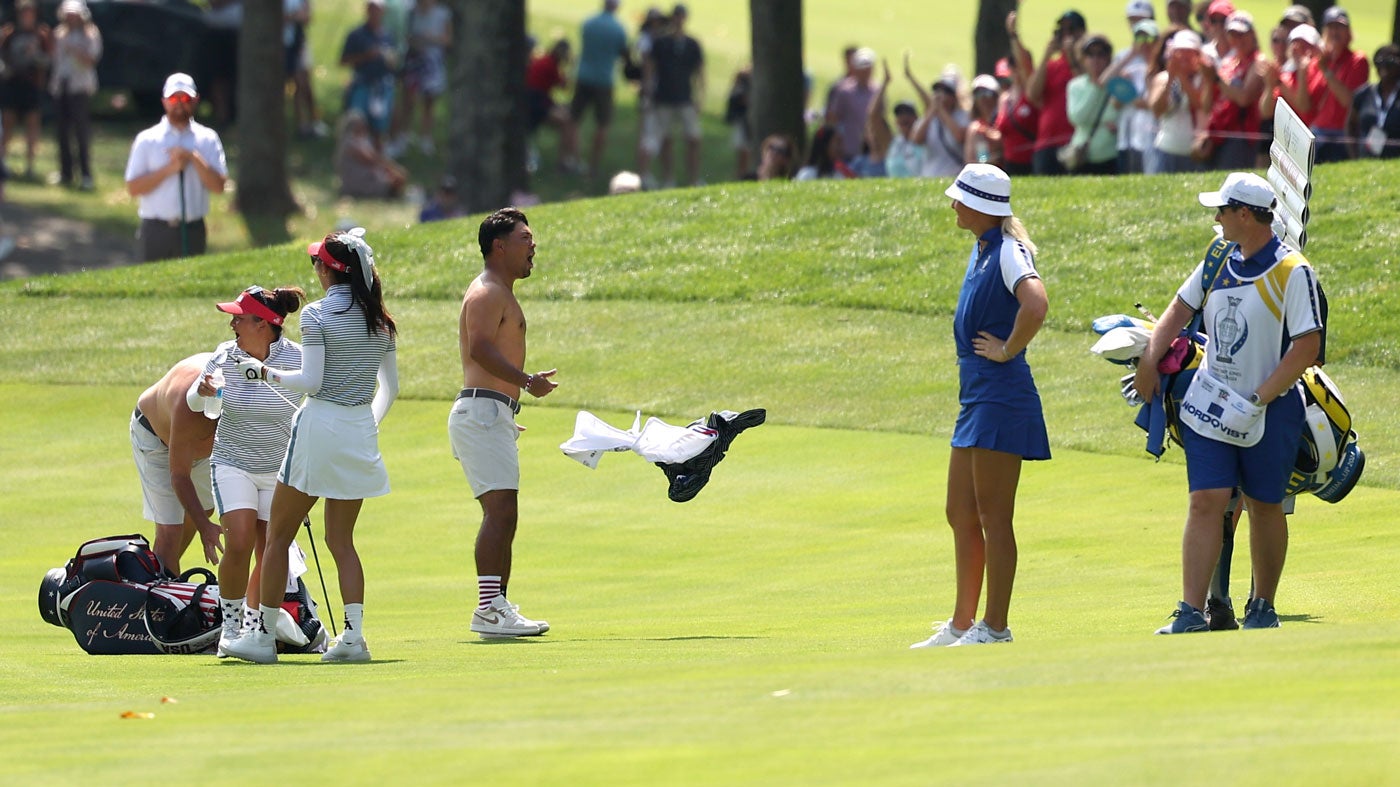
[(1290, 173)]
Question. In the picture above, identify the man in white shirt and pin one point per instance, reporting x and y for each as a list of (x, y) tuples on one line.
[(173, 167)]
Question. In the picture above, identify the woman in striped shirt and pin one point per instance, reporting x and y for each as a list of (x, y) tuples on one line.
[(255, 423), (348, 346)]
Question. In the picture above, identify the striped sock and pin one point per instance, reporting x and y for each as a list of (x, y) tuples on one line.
[(354, 623), (487, 588)]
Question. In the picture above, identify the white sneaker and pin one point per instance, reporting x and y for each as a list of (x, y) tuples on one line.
[(943, 636), (340, 650), (544, 626), (499, 619), (232, 630), (979, 634), (258, 647)]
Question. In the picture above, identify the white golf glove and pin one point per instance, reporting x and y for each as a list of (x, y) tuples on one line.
[(252, 369)]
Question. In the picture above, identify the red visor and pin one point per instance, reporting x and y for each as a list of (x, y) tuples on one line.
[(320, 253), (247, 303)]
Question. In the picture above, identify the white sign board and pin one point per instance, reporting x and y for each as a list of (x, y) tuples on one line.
[(1290, 172)]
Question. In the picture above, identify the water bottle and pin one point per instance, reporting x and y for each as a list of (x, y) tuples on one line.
[(214, 405), (981, 150)]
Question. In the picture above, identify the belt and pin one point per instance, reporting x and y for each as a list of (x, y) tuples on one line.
[(487, 393), (145, 422), (176, 222)]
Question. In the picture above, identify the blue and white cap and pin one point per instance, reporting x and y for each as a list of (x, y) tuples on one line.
[(1241, 188), (984, 188)]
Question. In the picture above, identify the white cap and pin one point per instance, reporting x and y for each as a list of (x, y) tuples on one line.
[(1241, 188), (1140, 9), (1240, 22), (1184, 39), (179, 83), (1306, 33), (984, 188), (863, 58), (986, 82)]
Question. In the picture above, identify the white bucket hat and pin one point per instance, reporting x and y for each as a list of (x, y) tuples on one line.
[(984, 188)]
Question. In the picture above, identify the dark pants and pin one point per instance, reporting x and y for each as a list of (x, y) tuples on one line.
[(1046, 162), (74, 123), (162, 241)]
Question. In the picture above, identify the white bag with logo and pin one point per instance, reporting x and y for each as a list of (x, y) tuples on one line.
[(1213, 409)]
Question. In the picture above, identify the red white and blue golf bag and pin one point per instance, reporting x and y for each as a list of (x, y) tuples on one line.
[(117, 599)]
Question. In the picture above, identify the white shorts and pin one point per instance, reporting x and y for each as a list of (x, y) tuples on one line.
[(662, 118), (483, 436), (158, 501), (236, 489), (334, 453)]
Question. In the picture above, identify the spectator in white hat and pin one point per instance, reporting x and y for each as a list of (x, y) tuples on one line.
[(849, 102), (1290, 80), (1176, 97), (173, 168), (1137, 126), (1265, 329), (73, 81), (1000, 309)]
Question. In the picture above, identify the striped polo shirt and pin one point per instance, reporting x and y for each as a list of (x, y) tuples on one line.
[(353, 354), (257, 414)]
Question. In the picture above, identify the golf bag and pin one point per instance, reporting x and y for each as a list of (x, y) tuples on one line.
[(117, 599)]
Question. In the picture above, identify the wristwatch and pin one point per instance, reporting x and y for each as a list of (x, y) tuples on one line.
[(1254, 399)]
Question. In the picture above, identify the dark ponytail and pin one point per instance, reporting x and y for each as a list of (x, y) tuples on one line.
[(369, 298)]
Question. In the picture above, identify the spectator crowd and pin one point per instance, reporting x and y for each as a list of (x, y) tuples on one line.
[(1191, 89)]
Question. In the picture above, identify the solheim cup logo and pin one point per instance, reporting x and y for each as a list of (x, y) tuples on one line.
[(1227, 330)]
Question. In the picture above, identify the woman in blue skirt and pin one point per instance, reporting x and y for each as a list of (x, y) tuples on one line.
[(1000, 309)]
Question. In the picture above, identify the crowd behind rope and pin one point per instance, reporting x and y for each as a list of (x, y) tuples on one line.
[(1170, 87), (1194, 91)]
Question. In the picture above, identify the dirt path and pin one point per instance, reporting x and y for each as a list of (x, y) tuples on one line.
[(45, 243)]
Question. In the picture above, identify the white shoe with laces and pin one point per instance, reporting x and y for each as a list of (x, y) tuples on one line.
[(500, 619), (257, 646), (233, 629), (943, 636), (340, 650), (544, 626), (980, 634)]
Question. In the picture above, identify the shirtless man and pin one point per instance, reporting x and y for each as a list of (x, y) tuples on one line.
[(491, 339), (171, 444)]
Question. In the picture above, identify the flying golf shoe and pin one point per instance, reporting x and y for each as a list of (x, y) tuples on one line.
[(1185, 620), (943, 636), (500, 620)]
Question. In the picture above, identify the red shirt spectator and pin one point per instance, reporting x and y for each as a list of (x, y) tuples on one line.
[(1054, 128), (544, 74), (1351, 69), (1018, 123)]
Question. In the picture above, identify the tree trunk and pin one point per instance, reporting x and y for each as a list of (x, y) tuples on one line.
[(989, 38), (264, 197), (1395, 24), (776, 98), (486, 96)]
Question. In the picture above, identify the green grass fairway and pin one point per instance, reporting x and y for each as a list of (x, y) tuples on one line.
[(755, 635)]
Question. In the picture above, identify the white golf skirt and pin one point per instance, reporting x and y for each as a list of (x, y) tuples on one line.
[(334, 453)]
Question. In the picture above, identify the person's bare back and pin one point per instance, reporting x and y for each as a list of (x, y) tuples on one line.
[(164, 406)]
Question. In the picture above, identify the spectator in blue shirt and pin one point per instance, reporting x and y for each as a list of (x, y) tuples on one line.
[(604, 42), (370, 52)]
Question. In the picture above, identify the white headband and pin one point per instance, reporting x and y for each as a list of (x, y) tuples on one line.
[(355, 240)]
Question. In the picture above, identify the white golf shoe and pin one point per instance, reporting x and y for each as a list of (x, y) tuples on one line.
[(980, 634), (340, 650), (257, 646), (943, 636)]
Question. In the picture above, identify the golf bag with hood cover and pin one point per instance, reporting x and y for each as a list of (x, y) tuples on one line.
[(117, 599)]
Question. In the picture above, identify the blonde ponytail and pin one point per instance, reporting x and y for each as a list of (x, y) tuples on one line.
[(1012, 227)]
